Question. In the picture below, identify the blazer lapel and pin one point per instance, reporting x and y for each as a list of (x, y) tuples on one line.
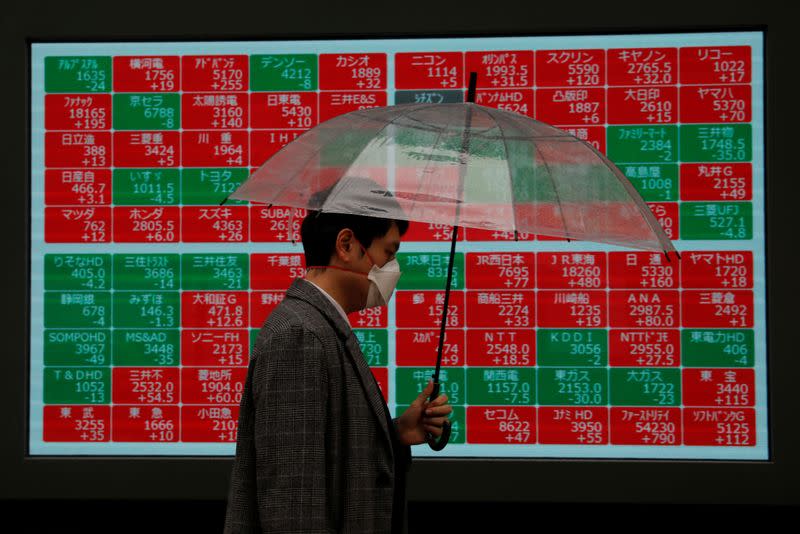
[(304, 290)]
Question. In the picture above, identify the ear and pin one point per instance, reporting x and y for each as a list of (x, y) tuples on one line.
[(344, 244)]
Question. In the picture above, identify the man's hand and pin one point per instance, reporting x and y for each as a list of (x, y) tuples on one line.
[(423, 417)]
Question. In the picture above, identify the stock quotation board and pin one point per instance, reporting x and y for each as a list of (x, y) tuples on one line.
[(147, 294)]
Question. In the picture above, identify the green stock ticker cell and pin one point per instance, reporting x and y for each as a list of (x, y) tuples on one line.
[(146, 111), (493, 386), (645, 387), (716, 220), (77, 74), (211, 186), (146, 187), (702, 143), (77, 272), (147, 271), (77, 347), (572, 386), (77, 385), (215, 271), (283, 72), (570, 348), (428, 270), (374, 345), (717, 348), (84, 309), (642, 144), (457, 422), (146, 348), (411, 381), (146, 309)]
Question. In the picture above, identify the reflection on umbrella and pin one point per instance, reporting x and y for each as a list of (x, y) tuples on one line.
[(458, 165)]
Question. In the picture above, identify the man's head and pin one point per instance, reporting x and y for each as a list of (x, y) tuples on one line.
[(348, 243)]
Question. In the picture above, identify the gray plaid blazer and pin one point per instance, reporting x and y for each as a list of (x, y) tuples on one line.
[(315, 451)]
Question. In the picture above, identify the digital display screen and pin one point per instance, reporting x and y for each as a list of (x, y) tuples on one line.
[(147, 294)]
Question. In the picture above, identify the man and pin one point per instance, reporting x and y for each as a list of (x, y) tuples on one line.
[(317, 450)]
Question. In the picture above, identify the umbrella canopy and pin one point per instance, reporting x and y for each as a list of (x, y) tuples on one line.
[(459, 164)]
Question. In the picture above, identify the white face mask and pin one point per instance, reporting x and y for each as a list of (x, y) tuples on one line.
[(383, 281)]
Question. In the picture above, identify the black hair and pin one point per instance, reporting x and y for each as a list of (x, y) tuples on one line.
[(320, 228)]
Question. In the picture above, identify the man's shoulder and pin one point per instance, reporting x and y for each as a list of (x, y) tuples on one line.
[(292, 321)]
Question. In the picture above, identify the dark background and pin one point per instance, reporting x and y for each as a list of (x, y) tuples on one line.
[(113, 494)]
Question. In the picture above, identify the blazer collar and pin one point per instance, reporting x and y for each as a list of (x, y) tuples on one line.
[(305, 290)]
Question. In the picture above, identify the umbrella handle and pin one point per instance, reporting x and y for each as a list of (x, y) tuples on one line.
[(439, 443)]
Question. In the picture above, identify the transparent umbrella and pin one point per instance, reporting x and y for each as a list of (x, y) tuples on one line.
[(459, 164)]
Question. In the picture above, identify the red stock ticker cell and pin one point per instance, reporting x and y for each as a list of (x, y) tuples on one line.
[(715, 64), (228, 224), (720, 427), (77, 187), (335, 103), (423, 309), (265, 144), (570, 68), (642, 105), (500, 270), (217, 111), (272, 111), (215, 73), (214, 347), (275, 271), (146, 74), (716, 104), (214, 309), (642, 270), (585, 106), (418, 347), (501, 425), (717, 269), (429, 70), (352, 72), (146, 424), (500, 309), (276, 224), (145, 385), (77, 149), (642, 66), (210, 423), (376, 317), (147, 149), (68, 423), (519, 101), (216, 385), (644, 308), (501, 347), (645, 426), (644, 347), (228, 148), (77, 225), (146, 224), (717, 308), (571, 309), (716, 181), (77, 112), (573, 425), (500, 68), (718, 388)]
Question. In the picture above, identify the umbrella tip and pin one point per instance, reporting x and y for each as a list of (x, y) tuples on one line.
[(224, 200)]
